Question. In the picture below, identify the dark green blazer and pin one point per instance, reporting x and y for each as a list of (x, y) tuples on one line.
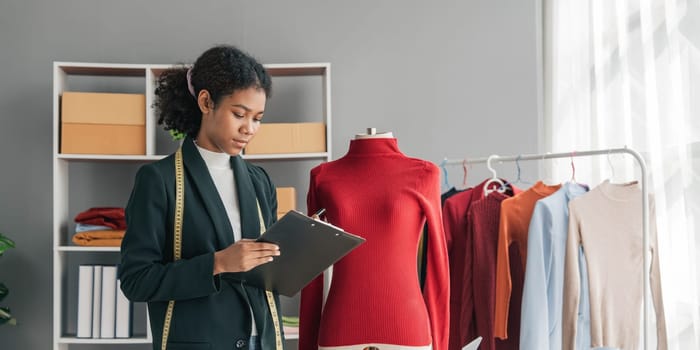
[(211, 312)]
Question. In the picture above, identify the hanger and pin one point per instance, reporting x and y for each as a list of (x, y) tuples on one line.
[(617, 177), (464, 176), (519, 180), (445, 177), (573, 167), (494, 179)]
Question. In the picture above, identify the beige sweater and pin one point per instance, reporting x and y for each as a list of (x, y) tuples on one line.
[(607, 221)]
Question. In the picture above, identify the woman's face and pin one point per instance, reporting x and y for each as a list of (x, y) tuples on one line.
[(232, 124)]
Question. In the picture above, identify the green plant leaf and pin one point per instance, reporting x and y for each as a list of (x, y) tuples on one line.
[(6, 317), (5, 243)]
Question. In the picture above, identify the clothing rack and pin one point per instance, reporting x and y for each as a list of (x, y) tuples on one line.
[(645, 203)]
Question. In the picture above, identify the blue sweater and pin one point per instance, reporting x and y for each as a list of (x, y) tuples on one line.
[(541, 316)]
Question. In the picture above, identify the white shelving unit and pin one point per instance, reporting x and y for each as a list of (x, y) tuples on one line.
[(63, 250)]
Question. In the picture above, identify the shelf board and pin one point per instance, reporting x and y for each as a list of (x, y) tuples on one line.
[(139, 70), (105, 69), (151, 158), (133, 340), (158, 69), (297, 69), (84, 249), (109, 157), (285, 156)]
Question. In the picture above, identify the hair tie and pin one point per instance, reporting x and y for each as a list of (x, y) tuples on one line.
[(189, 83)]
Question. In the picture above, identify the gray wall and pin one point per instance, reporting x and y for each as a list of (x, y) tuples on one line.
[(449, 78)]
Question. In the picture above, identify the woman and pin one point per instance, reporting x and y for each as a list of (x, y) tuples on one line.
[(218, 104)]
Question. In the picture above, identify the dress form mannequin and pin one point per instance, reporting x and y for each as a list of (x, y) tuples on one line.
[(372, 134), (375, 300)]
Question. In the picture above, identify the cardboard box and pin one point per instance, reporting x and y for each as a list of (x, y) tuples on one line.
[(288, 138), (103, 123), (286, 200)]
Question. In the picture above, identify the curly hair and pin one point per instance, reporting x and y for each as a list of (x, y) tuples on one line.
[(221, 70)]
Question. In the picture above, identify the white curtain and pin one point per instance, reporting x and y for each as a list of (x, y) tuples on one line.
[(627, 73)]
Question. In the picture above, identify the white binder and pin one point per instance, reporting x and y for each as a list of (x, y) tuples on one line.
[(85, 284)]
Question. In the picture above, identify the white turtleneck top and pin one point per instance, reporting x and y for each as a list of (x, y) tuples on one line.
[(219, 166)]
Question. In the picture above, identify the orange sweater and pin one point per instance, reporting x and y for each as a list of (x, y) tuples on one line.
[(514, 223)]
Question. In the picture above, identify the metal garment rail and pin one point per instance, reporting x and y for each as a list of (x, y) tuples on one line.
[(645, 203)]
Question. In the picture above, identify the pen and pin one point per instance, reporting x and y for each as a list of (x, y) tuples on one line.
[(319, 213)]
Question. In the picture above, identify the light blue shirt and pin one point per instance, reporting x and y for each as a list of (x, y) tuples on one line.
[(80, 227), (543, 291)]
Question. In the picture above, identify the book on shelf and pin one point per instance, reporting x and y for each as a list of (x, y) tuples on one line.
[(104, 312), (109, 301), (124, 314), (96, 301), (85, 284)]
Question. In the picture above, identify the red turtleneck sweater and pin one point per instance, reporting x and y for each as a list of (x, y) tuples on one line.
[(377, 192)]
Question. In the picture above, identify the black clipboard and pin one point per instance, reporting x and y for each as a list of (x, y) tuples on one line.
[(307, 248)]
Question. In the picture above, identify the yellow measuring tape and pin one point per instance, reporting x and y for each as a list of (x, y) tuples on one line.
[(179, 210), (268, 294)]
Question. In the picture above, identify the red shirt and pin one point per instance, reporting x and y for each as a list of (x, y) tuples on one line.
[(378, 193), (462, 329)]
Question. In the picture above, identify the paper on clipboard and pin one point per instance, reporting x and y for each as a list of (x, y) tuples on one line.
[(307, 247)]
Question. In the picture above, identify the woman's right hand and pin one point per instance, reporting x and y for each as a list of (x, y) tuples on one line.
[(244, 255)]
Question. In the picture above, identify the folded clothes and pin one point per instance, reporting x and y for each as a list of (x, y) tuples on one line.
[(103, 216), (101, 238), (86, 227)]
